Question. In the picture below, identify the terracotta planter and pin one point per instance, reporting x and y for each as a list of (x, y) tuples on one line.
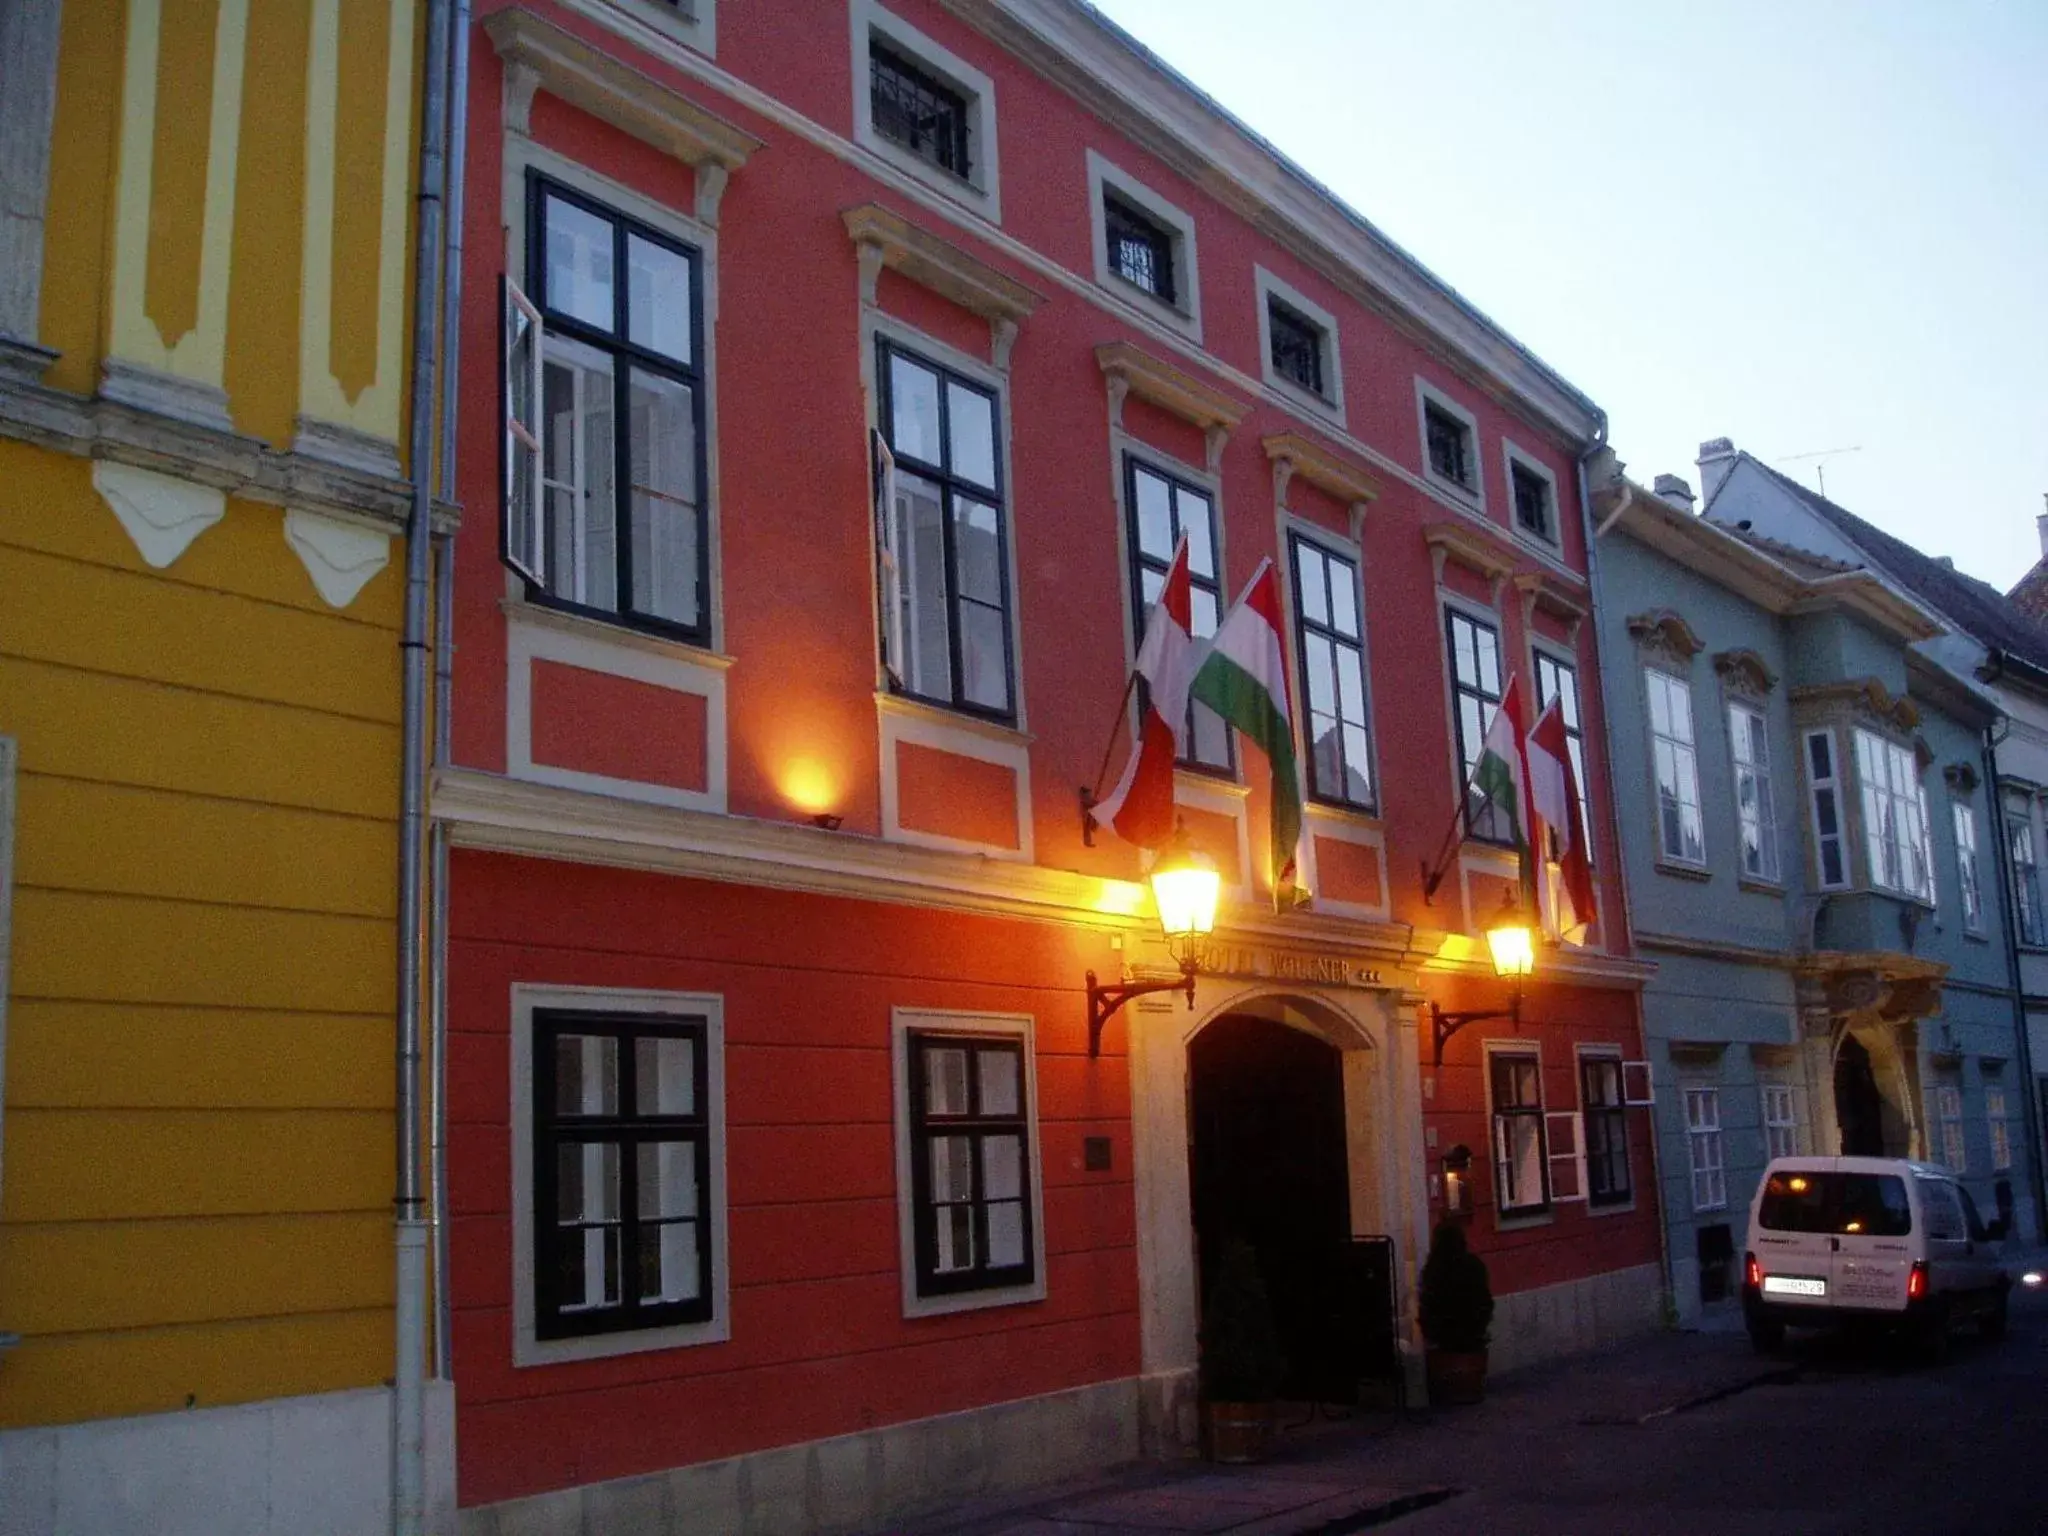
[(1237, 1433), (1457, 1377)]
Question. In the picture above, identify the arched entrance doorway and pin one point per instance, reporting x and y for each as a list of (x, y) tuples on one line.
[(1268, 1166), (1859, 1108)]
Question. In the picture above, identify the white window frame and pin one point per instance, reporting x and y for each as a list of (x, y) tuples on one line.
[(2026, 879), (1784, 1134), (1948, 1120), (1512, 458), (693, 23), (1329, 406), (1999, 1127), (1685, 754), (527, 999), (1184, 312), (1969, 867), (1907, 803), (1831, 786), (1706, 1150), (1332, 546), (981, 189), (1740, 713), (1542, 1209), (1473, 495), (1018, 1026), (1562, 660)]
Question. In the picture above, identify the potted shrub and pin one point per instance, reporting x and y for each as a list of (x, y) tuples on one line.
[(1455, 1304), (1242, 1364)]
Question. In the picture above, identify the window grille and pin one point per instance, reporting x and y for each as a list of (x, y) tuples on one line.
[(1140, 251), (914, 108), (1450, 445), (1533, 511), (1297, 347)]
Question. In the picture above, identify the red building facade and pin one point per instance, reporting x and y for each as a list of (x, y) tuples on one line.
[(781, 1176)]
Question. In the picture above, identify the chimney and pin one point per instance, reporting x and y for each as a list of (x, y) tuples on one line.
[(1674, 488), (1717, 457), (2041, 526)]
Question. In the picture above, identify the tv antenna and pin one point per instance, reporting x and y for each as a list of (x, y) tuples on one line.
[(1820, 468)]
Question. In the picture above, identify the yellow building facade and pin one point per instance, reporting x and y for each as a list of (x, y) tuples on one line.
[(206, 251)]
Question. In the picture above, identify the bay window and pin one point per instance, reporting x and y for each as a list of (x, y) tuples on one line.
[(1896, 836)]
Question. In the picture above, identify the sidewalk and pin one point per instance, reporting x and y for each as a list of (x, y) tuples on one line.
[(1351, 1475)]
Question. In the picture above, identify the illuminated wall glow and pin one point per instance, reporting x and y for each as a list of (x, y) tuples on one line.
[(809, 784)]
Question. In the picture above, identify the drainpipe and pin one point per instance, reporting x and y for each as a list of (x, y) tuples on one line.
[(444, 681), (1607, 717), (408, 1410), (2029, 1110)]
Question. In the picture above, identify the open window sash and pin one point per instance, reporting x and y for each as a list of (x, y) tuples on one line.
[(1637, 1090), (1564, 1130), (523, 535), (888, 562)]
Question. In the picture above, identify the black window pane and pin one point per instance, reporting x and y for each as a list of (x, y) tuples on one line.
[(914, 108), (1532, 503), (1297, 344), (578, 279), (1449, 445), (665, 514), (658, 298), (1140, 251), (970, 1164)]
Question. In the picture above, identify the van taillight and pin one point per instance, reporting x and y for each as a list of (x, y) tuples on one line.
[(1752, 1272), (1916, 1281)]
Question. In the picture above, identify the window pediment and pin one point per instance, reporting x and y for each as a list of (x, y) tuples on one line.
[(1868, 700), (886, 239), (1132, 370), (539, 54), (1471, 547), (1744, 672), (1961, 778), (1292, 455), (1664, 632)]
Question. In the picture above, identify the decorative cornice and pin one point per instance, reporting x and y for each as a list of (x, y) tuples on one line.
[(1128, 87), (1130, 369), (1292, 455), (1663, 629), (243, 467), (886, 239), (1866, 696), (1544, 590), (1466, 545), (539, 53), (1743, 671)]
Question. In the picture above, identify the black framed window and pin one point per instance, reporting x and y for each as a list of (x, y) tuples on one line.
[(621, 1172), (1601, 1101), (914, 108), (970, 1162), (1140, 249), (1297, 346), (1556, 679), (1475, 695), (1534, 512), (1330, 646), (605, 510), (1521, 1168), (947, 600), (1450, 445), (1162, 508)]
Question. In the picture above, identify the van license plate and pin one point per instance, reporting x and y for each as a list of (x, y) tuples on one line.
[(1794, 1285)]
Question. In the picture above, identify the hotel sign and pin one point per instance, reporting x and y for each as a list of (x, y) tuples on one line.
[(1312, 968)]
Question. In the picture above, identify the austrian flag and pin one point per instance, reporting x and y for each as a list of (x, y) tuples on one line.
[(1244, 679), (1140, 808)]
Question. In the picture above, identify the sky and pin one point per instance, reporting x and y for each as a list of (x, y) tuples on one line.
[(1806, 225)]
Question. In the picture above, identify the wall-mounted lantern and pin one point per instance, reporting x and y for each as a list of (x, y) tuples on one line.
[(1457, 1168), (1185, 889), (1511, 941)]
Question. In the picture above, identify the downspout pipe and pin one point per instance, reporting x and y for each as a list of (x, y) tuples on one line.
[(444, 682), (408, 1408), (1994, 798), (1597, 606)]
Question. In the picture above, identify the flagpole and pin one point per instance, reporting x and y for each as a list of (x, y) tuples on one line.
[(1089, 797)]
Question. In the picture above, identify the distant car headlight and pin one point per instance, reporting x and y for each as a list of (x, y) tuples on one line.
[(2031, 1277)]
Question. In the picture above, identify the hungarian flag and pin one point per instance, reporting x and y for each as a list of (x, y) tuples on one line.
[(1502, 772), (1244, 679), (1554, 795), (1140, 808)]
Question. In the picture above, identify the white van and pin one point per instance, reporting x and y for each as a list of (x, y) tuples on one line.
[(1870, 1239)]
